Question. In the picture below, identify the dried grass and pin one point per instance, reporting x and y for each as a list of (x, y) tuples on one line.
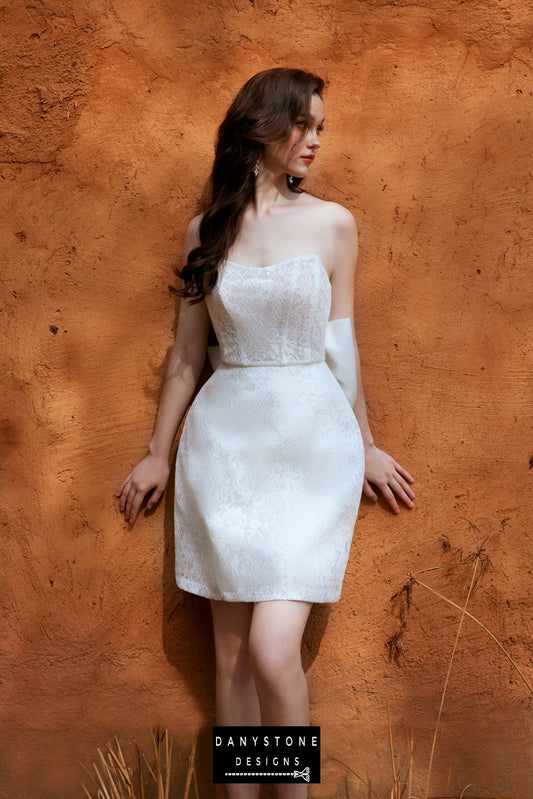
[(402, 774), (114, 778)]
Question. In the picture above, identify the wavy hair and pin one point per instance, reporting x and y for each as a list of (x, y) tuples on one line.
[(264, 110)]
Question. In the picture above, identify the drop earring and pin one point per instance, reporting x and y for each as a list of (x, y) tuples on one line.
[(290, 180), (256, 168)]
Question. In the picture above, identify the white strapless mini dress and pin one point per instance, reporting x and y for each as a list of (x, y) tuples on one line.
[(270, 464)]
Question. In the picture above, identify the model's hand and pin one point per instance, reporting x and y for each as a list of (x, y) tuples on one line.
[(151, 474), (384, 473)]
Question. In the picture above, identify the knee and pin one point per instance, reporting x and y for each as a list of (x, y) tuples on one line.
[(233, 663), (275, 670)]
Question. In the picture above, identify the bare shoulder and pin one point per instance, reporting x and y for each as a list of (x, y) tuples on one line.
[(338, 232), (333, 215), (340, 217)]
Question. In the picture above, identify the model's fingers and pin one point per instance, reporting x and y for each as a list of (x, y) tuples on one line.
[(391, 499), (156, 496), (123, 485), (405, 487), (404, 472), (125, 505), (403, 492), (369, 492), (124, 491), (409, 491), (135, 506), (126, 483), (132, 501)]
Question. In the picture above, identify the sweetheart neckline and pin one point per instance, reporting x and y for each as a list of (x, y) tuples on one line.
[(280, 263)]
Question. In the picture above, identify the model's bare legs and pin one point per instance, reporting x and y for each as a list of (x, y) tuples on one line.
[(275, 644), (236, 694), (260, 679), (275, 653)]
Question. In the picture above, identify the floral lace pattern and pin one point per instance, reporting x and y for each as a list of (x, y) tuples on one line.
[(270, 463), (261, 315)]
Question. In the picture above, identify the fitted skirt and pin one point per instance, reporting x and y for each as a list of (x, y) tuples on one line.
[(269, 474)]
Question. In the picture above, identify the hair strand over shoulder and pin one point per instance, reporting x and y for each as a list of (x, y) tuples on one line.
[(264, 110)]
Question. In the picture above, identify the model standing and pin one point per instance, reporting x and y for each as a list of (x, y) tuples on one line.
[(276, 448)]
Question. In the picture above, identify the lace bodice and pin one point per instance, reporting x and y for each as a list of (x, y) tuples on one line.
[(270, 462), (271, 315)]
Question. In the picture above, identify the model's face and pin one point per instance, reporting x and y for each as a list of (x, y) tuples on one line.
[(294, 155)]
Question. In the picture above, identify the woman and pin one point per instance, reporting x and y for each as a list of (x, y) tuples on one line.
[(272, 460)]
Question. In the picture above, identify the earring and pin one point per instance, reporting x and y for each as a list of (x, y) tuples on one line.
[(290, 178), (256, 168)]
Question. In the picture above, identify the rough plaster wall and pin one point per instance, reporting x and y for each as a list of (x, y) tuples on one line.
[(109, 113)]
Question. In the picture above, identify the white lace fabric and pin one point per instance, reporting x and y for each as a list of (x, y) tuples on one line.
[(270, 463), (262, 317)]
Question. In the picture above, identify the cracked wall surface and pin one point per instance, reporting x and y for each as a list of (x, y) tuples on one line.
[(108, 114)]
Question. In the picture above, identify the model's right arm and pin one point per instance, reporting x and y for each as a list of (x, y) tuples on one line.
[(184, 368)]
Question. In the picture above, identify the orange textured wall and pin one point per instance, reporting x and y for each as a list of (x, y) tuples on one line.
[(109, 114)]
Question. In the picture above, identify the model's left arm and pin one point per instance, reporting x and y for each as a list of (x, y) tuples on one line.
[(381, 470)]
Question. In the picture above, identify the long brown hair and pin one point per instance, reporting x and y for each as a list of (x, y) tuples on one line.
[(264, 110)]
